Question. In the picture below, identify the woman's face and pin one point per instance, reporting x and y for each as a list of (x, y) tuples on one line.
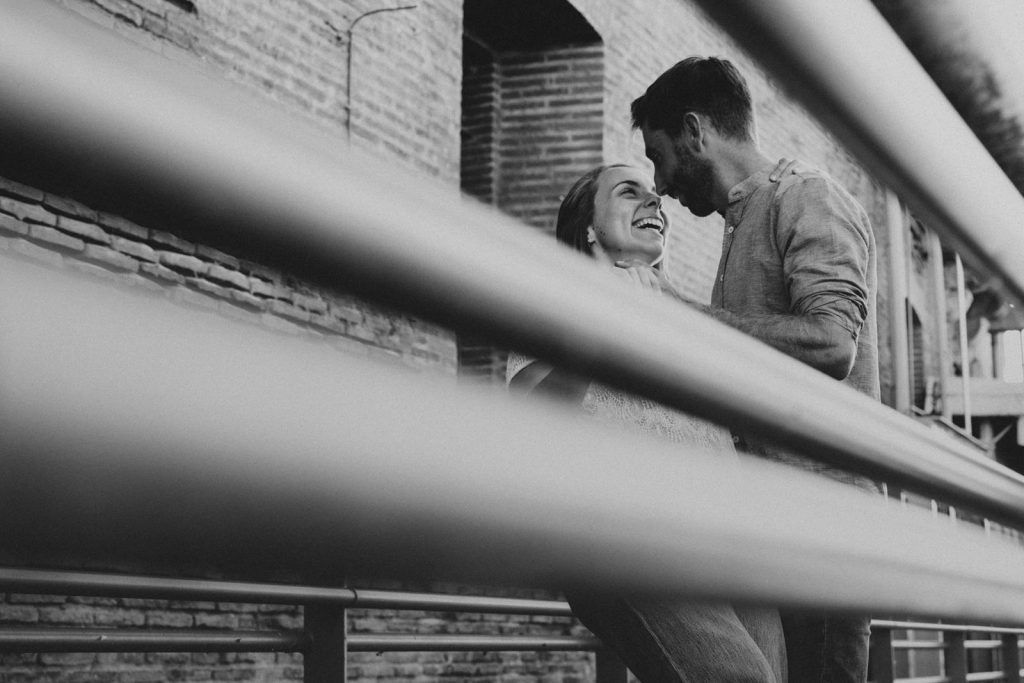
[(628, 221)]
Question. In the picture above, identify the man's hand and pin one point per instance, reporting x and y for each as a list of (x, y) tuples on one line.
[(784, 167), (641, 274)]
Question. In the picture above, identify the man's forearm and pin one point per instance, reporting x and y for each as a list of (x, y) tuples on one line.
[(813, 339)]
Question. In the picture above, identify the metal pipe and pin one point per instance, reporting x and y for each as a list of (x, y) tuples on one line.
[(848, 66), (458, 603), (125, 640), (470, 643), (134, 428), (970, 50), (128, 129), (13, 579), (899, 303), (965, 352), (930, 626), (348, 60)]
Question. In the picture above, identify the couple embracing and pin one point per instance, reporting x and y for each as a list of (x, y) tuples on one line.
[(797, 272)]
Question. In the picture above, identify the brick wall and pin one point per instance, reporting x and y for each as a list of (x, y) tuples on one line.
[(532, 124), (550, 122), (25, 610), (480, 103), (66, 234)]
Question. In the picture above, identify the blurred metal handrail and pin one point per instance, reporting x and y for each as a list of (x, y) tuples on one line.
[(24, 580), (276, 456), (186, 149)]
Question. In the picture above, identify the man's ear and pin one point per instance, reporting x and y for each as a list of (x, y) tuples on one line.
[(693, 131)]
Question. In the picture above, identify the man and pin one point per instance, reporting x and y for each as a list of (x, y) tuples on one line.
[(797, 271)]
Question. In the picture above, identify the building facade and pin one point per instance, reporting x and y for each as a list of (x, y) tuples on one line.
[(509, 101)]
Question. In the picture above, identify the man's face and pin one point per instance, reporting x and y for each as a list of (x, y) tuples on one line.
[(679, 173)]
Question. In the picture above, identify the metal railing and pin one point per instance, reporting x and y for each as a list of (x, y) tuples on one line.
[(107, 450), (188, 148), (327, 605), (324, 640), (957, 641)]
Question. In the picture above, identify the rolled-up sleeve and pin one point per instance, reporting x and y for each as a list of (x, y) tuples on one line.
[(823, 238)]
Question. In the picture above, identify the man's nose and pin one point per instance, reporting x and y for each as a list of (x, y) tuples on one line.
[(659, 184)]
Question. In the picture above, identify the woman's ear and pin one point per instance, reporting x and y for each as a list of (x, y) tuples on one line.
[(596, 250)]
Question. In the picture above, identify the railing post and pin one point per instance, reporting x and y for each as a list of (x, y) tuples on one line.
[(610, 668), (956, 656), (325, 655), (1011, 658), (881, 654)]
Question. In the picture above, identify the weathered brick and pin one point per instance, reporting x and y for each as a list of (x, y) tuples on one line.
[(111, 258), (258, 270), (120, 617), (226, 276), (262, 288), (237, 607), (309, 302), (68, 207), (248, 300), (167, 241), (30, 213), (183, 263), (329, 323), (347, 311), (361, 332), (23, 614), (218, 257), (77, 615), (281, 621), (216, 620), (287, 310), (90, 232), (160, 619), (9, 661), (137, 250), (67, 659), (145, 603), (123, 227), (15, 189), (207, 287), (12, 225), (55, 238), (191, 605), (160, 272)]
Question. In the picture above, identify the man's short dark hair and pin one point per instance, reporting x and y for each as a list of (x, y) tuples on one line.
[(707, 85)]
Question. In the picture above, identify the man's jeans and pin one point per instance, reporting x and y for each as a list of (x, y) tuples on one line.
[(827, 648), (665, 641)]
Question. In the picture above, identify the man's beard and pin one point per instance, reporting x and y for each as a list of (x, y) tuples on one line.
[(692, 181)]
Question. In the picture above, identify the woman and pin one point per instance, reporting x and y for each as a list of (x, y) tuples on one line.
[(614, 215)]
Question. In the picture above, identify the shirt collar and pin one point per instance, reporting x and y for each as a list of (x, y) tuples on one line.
[(741, 191)]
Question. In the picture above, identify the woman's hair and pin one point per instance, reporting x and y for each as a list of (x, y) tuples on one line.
[(576, 213)]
